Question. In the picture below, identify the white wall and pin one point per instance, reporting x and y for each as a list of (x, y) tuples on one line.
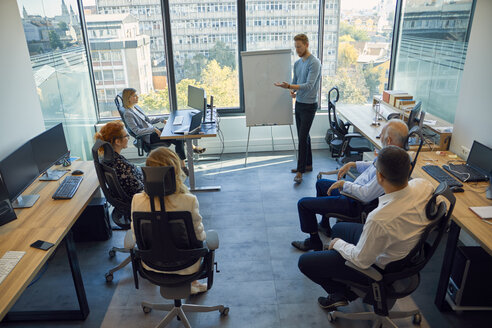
[(473, 120), (20, 112)]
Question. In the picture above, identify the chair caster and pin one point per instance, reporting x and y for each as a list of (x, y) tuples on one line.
[(417, 319), (146, 309), (331, 317), (319, 176), (224, 312), (109, 277), (112, 253)]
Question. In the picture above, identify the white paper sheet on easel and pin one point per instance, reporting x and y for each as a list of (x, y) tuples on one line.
[(485, 212)]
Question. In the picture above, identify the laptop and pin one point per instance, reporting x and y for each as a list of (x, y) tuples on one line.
[(477, 167), (194, 126)]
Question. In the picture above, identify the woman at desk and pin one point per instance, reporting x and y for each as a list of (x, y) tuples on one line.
[(181, 200), (141, 124), (130, 178)]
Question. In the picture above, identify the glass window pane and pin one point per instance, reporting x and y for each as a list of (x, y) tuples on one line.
[(357, 49), (431, 53), (205, 50), (127, 48), (60, 68)]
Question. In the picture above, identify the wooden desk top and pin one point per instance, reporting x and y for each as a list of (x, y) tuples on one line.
[(474, 195), (207, 130), (361, 117), (47, 220)]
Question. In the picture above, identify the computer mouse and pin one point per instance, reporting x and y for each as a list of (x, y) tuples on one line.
[(77, 172), (457, 189)]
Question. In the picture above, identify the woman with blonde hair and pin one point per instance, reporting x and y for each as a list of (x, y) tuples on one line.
[(181, 200), (129, 176)]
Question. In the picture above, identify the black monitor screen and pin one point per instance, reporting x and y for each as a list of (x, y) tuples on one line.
[(480, 157), (49, 147), (196, 98), (413, 117), (19, 170)]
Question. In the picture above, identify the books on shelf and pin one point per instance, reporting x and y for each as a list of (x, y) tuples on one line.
[(388, 93), (408, 103)]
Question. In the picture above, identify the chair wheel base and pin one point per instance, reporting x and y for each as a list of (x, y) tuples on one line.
[(146, 309), (112, 253), (331, 317), (109, 277), (417, 319), (224, 312)]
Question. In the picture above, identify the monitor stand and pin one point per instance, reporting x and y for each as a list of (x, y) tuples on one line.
[(52, 175), (25, 201)]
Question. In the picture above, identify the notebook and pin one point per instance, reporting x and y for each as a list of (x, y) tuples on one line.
[(477, 167), (484, 212), (196, 120)]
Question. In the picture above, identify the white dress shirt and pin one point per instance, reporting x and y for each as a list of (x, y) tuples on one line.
[(365, 187), (392, 229)]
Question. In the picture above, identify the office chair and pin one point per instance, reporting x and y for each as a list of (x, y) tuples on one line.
[(416, 131), (344, 143), (400, 278), (143, 147), (116, 196), (166, 241)]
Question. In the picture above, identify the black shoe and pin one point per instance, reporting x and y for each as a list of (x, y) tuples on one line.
[(308, 169), (324, 230), (332, 301), (307, 245)]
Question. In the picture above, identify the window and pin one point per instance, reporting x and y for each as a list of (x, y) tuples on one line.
[(430, 60), (60, 68), (207, 57)]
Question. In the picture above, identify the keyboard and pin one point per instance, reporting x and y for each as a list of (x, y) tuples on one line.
[(178, 120), (440, 175), (68, 187), (8, 261)]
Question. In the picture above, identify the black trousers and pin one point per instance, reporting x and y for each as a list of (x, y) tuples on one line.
[(325, 267), (304, 119), (178, 144)]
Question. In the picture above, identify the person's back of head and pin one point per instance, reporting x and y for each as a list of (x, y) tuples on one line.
[(163, 156), (125, 95), (394, 133), (110, 132), (393, 163)]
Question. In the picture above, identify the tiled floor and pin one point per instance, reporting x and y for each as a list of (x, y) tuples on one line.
[(255, 215)]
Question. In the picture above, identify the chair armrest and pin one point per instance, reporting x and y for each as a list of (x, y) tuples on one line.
[(352, 135), (212, 240), (370, 272), (352, 197)]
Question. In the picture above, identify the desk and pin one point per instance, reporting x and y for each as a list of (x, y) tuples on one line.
[(49, 220), (207, 131), (361, 117), (462, 218)]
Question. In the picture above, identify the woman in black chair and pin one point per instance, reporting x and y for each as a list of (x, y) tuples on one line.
[(129, 176), (181, 200)]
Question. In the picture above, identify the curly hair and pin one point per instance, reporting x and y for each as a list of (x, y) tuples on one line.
[(126, 94), (110, 132), (163, 156), (301, 37)]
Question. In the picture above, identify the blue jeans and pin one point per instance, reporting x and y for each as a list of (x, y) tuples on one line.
[(323, 204), (304, 119), (324, 267)]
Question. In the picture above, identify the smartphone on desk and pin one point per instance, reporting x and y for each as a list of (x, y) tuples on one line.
[(44, 245)]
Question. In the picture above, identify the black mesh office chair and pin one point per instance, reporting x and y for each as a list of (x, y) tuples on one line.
[(344, 143), (143, 147), (115, 195), (166, 241), (401, 278), (416, 131)]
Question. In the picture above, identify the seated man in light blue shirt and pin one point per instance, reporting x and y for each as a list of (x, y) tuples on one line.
[(329, 200)]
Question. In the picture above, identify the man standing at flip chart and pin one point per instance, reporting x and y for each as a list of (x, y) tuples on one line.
[(304, 88)]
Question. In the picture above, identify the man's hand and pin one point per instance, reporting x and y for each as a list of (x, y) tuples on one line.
[(337, 185), (284, 85), (332, 243), (292, 93), (164, 121), (344, 169), (157, 131)]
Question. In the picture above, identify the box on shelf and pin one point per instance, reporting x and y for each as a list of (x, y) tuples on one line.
[(394, 98), (399, 103), (387, 94)]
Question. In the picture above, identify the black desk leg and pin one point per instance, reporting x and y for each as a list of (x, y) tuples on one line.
[(447, 264), (60, 315)]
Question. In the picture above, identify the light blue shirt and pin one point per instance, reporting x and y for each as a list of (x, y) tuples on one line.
[(366, 186), (307, 75)]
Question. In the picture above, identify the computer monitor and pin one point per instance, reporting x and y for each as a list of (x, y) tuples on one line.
[(19, 170), (197, 98), (414, 113), (480, 157), (49, 147)]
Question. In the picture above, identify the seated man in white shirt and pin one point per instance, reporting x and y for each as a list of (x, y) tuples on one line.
[(329, 200), (388, 235)]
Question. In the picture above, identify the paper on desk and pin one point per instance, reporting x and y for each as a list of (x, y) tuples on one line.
[(430, 122), (443, 129), (484, 212)]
